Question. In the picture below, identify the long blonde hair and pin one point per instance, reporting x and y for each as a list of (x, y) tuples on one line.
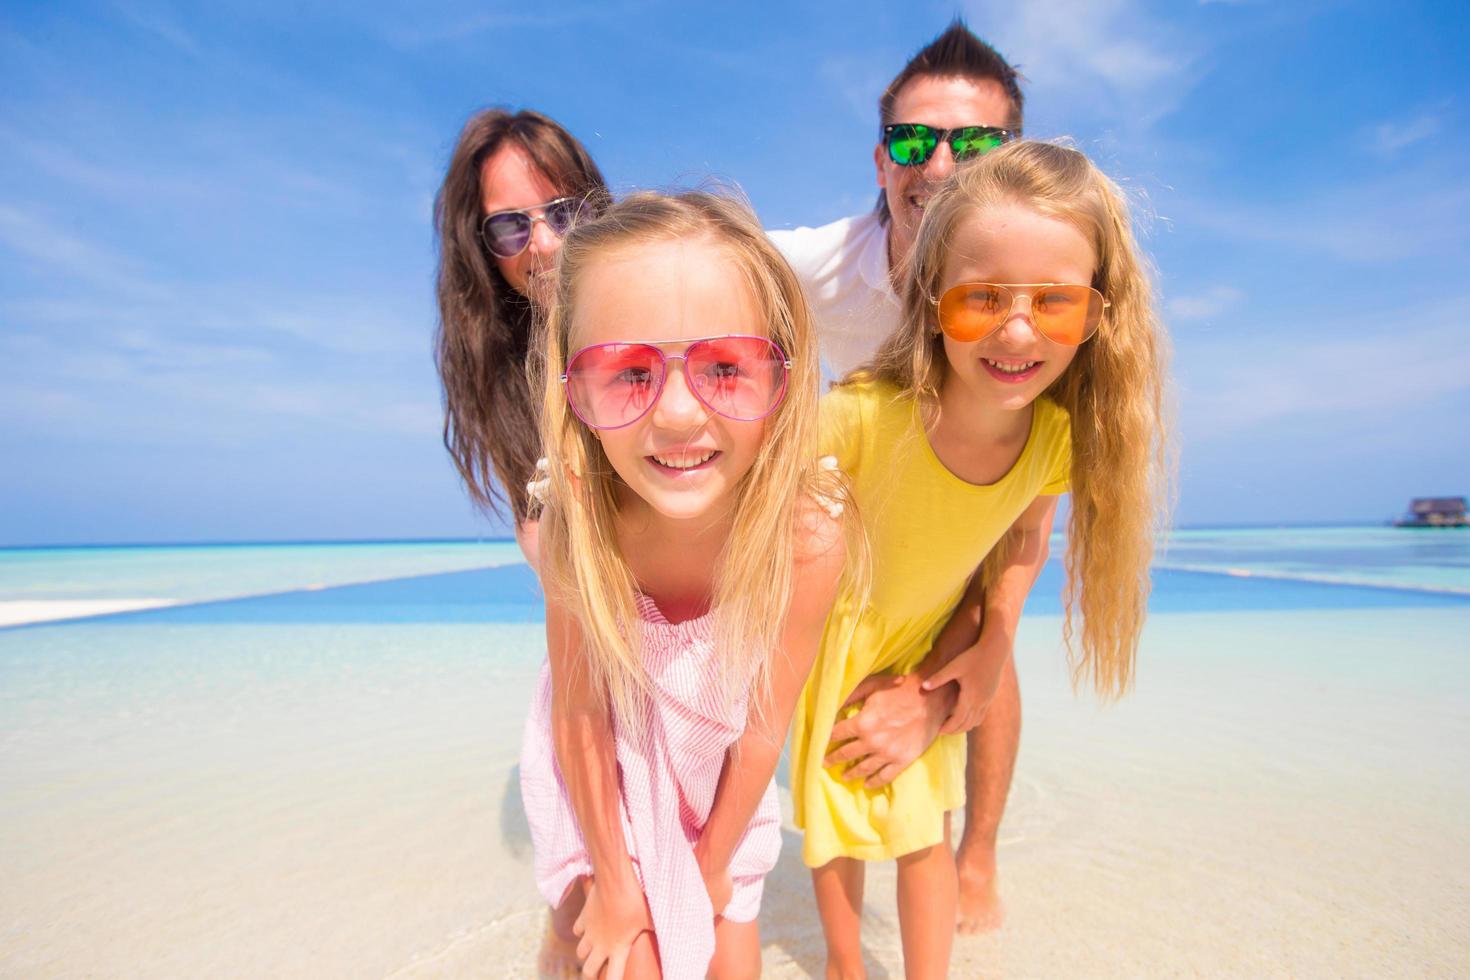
[(1114, 389), (582, 565)]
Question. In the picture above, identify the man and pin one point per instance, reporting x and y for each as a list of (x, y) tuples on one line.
[(954, 99), (849, 266)]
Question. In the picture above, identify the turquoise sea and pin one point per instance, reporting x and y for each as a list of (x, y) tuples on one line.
[(303, 766), (404, 582)]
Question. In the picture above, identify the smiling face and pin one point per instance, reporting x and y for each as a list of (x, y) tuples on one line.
[(508, 181), (945, 102), (1005, 244), (680, 459)]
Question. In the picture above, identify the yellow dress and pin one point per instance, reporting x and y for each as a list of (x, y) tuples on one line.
[(928, 531)]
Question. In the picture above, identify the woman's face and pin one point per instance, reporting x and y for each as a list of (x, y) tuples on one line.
[(509, 181)]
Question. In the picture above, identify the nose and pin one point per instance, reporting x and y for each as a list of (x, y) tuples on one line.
[(677, 408), (1018, 328), (544, 241), (940, 163)]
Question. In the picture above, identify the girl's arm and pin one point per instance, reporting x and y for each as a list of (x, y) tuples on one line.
[(528, 536), (582, 736), (751, 761), (977, 670)]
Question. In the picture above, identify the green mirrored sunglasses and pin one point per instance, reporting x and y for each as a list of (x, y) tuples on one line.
[(912, 144)]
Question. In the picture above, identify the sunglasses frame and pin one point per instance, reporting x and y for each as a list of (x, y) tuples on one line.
[(664, 359), (1014, 289), (942, 135), (531, 219)]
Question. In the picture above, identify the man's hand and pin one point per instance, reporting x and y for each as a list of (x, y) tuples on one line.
[(976, 675), (897, 722)]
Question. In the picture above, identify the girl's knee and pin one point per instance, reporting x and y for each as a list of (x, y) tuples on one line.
[(737, 951), (936, 855), (643, 959)]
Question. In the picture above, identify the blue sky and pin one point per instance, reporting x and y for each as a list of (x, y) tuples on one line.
[(216, 260)]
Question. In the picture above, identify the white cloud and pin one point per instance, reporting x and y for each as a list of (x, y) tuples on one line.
[(1387, 139), (128, 295), (859, 81), (1393, 216), (146, 389), (1108, 58), (426, 28), (1204, 305), (1378, 371), (29, 234), (157, 22)]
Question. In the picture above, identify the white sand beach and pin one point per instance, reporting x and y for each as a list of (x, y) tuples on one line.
[(17, 612), (1284, 795)]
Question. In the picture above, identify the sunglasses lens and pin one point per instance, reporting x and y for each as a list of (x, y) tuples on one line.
[(910, 144), (562, 214), (1067, 314), (613, 385), (1064, 314), (741, 378), (970, 311), (972, 141), (507, 234)]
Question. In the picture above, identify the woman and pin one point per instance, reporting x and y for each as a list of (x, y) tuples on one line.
[(515, 183)]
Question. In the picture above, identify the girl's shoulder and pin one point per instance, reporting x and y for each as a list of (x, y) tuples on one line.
[(1051, 419), (868, 400), (820, 555), (875, 390), (820, 531)]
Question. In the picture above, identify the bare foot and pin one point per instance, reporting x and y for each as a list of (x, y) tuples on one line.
[(557, 959), (980, 908)]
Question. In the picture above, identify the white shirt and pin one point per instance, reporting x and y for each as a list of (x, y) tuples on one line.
[(843, 268)]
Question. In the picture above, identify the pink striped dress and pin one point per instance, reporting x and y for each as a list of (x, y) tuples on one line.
[(669, 764)]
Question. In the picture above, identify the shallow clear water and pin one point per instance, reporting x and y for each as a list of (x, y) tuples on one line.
[(456, 582), (315, 779), (195, 572), (1436, 558)]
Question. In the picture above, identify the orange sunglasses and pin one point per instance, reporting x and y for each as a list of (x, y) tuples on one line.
[(1064, 313)]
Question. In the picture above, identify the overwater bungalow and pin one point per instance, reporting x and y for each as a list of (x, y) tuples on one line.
[(1435, 512)]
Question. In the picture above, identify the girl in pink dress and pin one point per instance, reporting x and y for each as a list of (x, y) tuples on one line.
[(691, 547)]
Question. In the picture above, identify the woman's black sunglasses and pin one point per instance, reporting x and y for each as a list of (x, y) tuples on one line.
[(507, 233)]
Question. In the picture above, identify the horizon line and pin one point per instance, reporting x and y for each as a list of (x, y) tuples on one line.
[(510, 539)]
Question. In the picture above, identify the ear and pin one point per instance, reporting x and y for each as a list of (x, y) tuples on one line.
[(880, 154)]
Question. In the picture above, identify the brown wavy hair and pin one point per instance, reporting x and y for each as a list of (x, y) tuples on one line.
[(1114, 389), (485, 325)]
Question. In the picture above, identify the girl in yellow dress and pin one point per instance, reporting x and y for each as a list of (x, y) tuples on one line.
[(1029, 362)]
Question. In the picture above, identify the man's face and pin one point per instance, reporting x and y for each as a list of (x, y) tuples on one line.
[(943, 102)]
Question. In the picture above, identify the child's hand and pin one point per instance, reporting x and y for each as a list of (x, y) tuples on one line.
[(611, 919), (720, 886), (976, 673)]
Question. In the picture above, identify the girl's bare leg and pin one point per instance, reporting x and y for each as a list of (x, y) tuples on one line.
[(928, 892), (642, 960), (557, 959), (839, 888), (737, 951)]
